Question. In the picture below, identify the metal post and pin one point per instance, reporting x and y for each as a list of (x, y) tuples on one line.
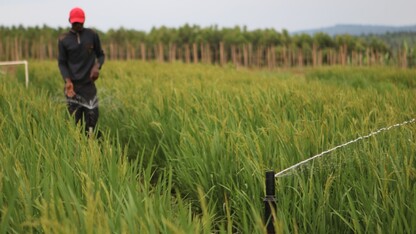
[(26, 73), (17, 63), (269, 202)]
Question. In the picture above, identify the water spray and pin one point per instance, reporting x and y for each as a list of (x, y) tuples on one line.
[(270, 200), (79, 100), (284, 172)]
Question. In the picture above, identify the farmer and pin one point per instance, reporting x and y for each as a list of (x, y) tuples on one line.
[(80, 59)]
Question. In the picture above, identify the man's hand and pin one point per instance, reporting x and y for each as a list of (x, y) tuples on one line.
[(95, 72), (69, 88)]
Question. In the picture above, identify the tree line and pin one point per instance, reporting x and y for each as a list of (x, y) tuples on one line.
[(214, 45)]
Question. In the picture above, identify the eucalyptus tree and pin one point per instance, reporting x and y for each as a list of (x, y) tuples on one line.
[(210, 39), (233, 41), (303, 48), (187, 35)]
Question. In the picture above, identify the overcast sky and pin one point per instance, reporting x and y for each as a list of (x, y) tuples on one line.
[(292, 15)]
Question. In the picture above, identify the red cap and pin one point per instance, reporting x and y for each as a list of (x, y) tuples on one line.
[(76, 15)]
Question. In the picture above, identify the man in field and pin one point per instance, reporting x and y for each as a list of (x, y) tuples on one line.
[(80, 59)]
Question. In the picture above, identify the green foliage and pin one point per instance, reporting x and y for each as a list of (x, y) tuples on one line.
[(185, 149), (382, 79), (41, 43)]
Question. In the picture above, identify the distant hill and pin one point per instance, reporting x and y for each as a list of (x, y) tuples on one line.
[(358, 30)]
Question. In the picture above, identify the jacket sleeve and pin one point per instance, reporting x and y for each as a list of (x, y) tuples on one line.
[(99, 50), (63, 60)]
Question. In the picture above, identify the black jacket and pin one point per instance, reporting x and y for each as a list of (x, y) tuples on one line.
[(78, 52)]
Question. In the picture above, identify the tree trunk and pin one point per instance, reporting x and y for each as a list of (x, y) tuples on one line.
[(111, 55), (180, 54), (203, 55), (300, 58), (285, 56), (334, 56), (50, 50), (320, 57), (42, 49), (159, 52), (143, 51), (187, 54), (245, 55), (208, 53), (234, 55), (172, 52), (195, 52), (15, 50), (373, 57), (32, 50), (271, 57), (222, 54), (1, 51), (133, 51), (128, 51), (314, 55), (260, 56)]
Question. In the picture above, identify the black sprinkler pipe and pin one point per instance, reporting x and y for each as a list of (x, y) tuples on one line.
[(270, 204)]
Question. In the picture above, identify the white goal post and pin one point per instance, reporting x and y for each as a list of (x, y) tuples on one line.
[(17, 63)]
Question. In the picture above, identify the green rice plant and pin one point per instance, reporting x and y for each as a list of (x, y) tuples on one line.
[(185, 149)]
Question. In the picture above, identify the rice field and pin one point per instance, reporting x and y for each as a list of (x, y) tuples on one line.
[(185, 149)]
